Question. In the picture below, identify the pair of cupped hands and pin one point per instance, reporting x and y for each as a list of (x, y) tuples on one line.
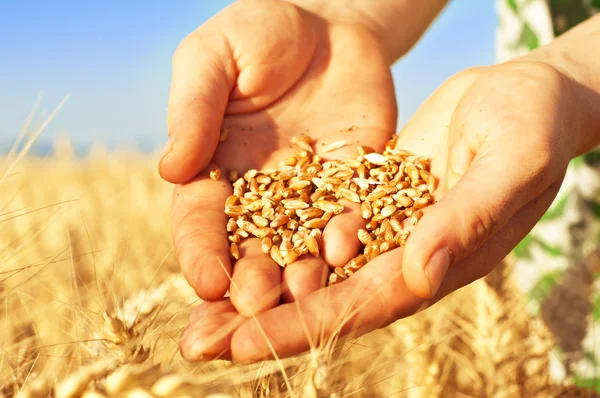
[(496, 136)]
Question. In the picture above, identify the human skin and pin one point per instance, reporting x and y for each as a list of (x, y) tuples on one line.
[(500, 139)]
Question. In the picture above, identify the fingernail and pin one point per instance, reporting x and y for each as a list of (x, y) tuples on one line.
[(436, 269)]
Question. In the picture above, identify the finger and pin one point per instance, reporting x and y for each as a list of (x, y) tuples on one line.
[(209, 335), (203, 75), (371, 299), (303, 277), (211, 307), (256, 284), (200, 237), (340, 238), (499, 246)]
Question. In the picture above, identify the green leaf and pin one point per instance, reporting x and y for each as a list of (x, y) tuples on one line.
[(522, 249), (594, 207), (551, 250), (542, 288), (592, 158), (555, 211), (596, 4), (583, 382), (596, 309), (512, 4), (579, 160), (528, 37)]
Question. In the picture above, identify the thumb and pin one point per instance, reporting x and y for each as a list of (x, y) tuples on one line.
[(493, 189), (202, 78)]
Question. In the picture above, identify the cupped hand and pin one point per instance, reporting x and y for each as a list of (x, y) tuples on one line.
[(500, 139), (262, 72)]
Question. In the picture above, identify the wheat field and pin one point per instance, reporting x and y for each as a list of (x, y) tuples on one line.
[(93, 304)]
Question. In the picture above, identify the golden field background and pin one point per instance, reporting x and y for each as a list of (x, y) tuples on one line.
[(93, 304)]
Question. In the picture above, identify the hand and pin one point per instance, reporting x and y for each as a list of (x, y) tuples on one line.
[(266, 71), (500, 139)]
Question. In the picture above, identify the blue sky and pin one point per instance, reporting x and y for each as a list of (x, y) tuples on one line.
[(114, 59)]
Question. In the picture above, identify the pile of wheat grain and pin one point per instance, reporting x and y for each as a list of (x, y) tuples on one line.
[(93, 305)]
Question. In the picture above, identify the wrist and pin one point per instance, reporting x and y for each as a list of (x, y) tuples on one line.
[(396, 24), (345, 12), (572, 56)]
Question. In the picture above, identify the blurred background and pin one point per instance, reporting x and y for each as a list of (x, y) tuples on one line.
[(114, 59)]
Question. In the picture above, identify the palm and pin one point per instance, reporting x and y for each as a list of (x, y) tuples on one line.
[(344, 93)]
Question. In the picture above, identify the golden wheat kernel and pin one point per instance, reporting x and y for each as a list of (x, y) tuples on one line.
[(339, 271), (231, 225), (366, 211), (242, 233), (260, 221), (234, 251), (363, 150), (268, 213), (224, 134), (215, 174), (402, 185), (291, 161), (327, 216), (315, 223), (387, 211), (256, 205), (414, 219), (310, 213), (396, 224), (344, 174), (276, 255), (307, 139), (421, 203), (253, 185), (295, 204), (300, 184), (377, 204), (301, 153), (333, 279), (292, 225), (364, 236), (263, 232), (235, 238), (408, 212), (387, 245), (285, 247), (265, 245), (357, 262), (375, 158), (402, 200), (280, 220), (371, 225), (349, 195), (239, 191), (288, 193), (388, 233), (378, 193), (231, 201), (325, 205), (412, 172), (377, 218), (235, 211), (250, 174), (304, 146), (290, 257), (286, 175), (276, 238), (263, 179), (311, 244), (387, 200)]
